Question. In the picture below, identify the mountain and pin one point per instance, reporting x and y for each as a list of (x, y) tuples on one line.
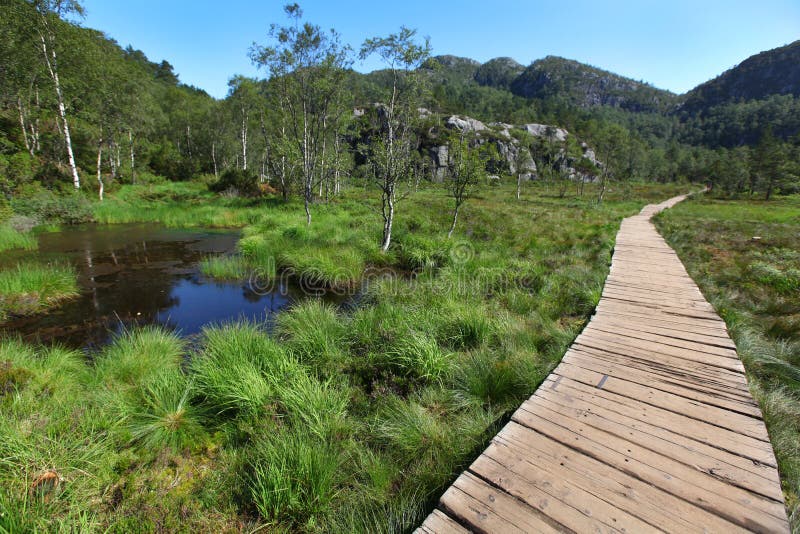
[(586, 86), (498, 72), (774, 72)]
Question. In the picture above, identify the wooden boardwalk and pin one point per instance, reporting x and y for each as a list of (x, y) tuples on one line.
[(646, 425)]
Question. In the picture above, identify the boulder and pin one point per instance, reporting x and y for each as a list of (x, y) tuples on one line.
[(543, 130), (464, 124), (440, 157)]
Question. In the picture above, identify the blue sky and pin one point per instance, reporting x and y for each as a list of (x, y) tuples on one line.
[(673, 44)]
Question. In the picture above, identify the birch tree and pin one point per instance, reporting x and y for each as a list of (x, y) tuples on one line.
[(306, 66), (49, 12), (390, 149), (465, 171)]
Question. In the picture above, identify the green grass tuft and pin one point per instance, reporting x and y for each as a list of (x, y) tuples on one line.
[(31, 287), (12, 239)]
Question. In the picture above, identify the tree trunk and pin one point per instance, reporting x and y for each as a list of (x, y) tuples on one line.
[(100, 168), (455, 219), (214, 158), (244, 142), (130, 143), (62, 110), (387, 224), (28, 144)]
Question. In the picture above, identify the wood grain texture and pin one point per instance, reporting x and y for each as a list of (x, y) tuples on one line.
[(646, 425)]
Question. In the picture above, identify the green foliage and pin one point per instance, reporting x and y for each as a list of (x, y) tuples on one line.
[(161, 415), (225, 267), (237, 181), (314, 332), (138, 357), (240, 369), (49, 206)]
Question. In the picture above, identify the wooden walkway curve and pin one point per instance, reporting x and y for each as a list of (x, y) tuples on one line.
[(646, 425)]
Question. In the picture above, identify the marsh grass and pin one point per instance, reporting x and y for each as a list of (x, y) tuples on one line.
[(12, 239), (744, 255), (30, 287), (225, 267), (337, 420)]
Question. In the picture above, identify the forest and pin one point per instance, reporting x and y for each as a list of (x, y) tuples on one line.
[(428, 239)]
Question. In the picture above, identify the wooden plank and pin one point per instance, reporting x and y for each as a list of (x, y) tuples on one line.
[(578, 510), (630, 494), (440, 522), (723, 366), (730, 502), (664, 330), (752, 448), (693, 375), (486, 509), (716, 462), (641, 386), (693, 346), (669, 383)]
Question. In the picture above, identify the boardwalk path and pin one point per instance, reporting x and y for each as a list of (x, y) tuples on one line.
[(647, 424)]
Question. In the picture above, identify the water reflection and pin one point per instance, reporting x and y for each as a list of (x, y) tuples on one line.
[(142, 274)]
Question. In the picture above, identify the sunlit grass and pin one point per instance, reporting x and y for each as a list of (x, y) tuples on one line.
[(29, 287), (334, 419)]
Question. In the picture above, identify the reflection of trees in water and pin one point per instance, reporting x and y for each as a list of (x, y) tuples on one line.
[(130, 280), (121, 287)]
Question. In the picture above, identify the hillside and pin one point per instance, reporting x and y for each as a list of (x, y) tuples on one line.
[(773, 72), (587, 86)]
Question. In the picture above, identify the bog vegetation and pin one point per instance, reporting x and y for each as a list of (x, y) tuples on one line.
[(485, 249)]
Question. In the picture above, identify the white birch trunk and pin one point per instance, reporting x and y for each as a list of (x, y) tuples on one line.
[(62, 110), (100, 168)]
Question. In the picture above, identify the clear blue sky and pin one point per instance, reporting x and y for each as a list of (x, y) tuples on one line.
[(673, 44)]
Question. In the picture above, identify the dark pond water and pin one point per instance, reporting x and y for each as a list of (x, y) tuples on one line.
[(138, 274)]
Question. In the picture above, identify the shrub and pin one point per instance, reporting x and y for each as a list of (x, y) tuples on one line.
[(240, 181), (47, 206)]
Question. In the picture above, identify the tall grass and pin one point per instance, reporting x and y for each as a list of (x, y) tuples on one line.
[(161, 414), (29, 287), (225, 267), (12, 239), (240, 369), (292, 478)]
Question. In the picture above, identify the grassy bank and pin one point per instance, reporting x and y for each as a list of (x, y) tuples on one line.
[(177, 205), (336, 421), (30, 287), (11, 239), (745, 255)]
